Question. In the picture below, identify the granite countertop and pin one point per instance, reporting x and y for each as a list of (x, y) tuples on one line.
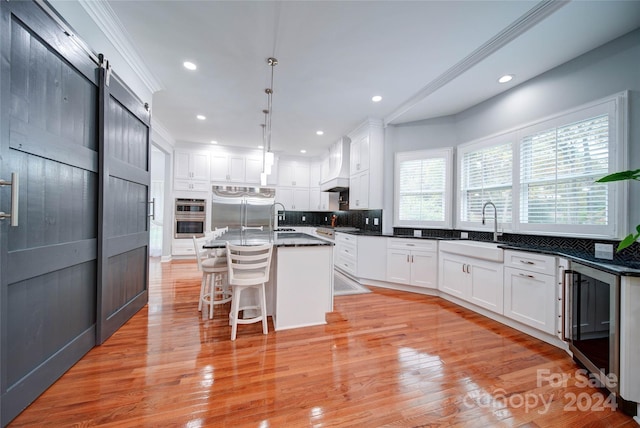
[(622, 268), (257, 237)]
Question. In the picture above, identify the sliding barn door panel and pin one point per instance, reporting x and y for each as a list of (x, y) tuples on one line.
[(48, 263), (124, 221)]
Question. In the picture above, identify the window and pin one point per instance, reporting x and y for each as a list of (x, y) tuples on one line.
[(486, 176), (423, 188), (547, 172), (558, 169)]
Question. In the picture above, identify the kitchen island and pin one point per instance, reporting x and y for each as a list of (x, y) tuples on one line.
[(300, 287)]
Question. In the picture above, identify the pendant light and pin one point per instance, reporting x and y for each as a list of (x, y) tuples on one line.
[(269, 157)]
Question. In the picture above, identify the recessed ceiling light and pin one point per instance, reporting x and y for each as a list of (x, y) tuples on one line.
[(303, 151), (201, 117), (376, 99), (214, 142), (261, 147), (319, 132), (506, 78), (189, 65)]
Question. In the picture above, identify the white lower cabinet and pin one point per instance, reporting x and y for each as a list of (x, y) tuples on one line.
[(346, 253), (372, 258), (477, 281), (530, 290), (412, 262)]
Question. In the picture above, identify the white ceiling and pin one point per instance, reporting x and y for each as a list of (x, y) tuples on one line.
[(425, 58)]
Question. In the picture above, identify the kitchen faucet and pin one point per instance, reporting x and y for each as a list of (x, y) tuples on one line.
[(273, 214), (495, 219)]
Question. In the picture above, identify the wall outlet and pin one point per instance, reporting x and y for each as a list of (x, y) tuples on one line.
[(325, 219), (604, 251), (376, 221), (464, 235), (304, 218), (417, 233), (366, 220)]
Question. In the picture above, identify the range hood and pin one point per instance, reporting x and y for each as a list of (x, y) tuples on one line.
[(335, 168)]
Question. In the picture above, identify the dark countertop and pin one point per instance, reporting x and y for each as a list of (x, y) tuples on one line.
[(623, 268), (626, 269), (257, 237)]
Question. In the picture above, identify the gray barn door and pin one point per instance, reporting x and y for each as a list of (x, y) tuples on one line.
[(124, 223), (48, 262)]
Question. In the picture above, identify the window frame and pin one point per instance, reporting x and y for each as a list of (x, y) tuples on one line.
[(447, 154), (617, 108)]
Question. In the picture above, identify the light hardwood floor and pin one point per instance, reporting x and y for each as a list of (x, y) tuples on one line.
[(385, 358)]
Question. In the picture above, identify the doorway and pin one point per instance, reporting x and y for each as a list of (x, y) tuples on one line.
[(157, 191)]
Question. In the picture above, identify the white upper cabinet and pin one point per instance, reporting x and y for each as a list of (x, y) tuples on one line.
[(191, 171), (366, 163), (359, 158), (293, 173), (323, 201), (293, 198), (226, 167), (315, 174), (191, 165)]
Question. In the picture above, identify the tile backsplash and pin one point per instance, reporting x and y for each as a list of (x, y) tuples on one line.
[(587, 246), (362, 219)]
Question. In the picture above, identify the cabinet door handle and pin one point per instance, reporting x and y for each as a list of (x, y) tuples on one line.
[(14, 183), (407, 258), (526, 276), (411, 259), (527, 262), (411, 245)]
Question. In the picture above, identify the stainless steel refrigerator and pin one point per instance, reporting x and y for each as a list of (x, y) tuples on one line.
[(235, 207)]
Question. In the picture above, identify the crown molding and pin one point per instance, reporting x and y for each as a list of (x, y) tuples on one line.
[(109, 23), (161, 131), (521, 25)]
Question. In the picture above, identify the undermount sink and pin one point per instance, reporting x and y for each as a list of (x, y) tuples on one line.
[(476, 249)]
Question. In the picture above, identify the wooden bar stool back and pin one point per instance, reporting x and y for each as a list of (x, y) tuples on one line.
[(249, 268)]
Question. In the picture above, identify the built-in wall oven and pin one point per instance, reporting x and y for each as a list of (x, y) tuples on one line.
[(190, 217), (592, 321)]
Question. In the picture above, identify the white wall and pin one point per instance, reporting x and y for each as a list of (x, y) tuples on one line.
[(86, 29), (607, 70), (162, 140), (421, 135)]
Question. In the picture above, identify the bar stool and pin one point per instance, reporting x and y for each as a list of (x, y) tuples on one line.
[(214, 289), (248, 268)]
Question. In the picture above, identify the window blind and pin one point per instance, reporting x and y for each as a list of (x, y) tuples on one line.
[(558, 169), (486, 176), (422, 190)]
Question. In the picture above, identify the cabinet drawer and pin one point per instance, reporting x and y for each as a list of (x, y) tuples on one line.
[(348, 251), (531, 262), (346, 238), (412, 244), (346, 265)]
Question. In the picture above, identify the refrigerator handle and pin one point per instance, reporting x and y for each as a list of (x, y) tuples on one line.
[(243, 213)]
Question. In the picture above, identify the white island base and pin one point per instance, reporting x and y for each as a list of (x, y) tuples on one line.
[(300, 290)]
